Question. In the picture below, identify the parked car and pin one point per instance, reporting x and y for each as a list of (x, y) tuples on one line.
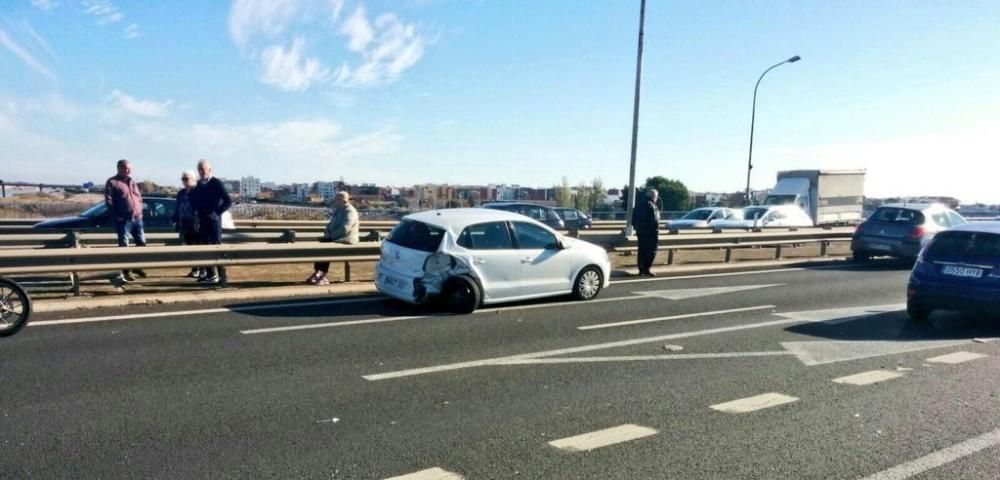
[(767, 216), (958, 270), (546, 215), (157, 213), (574, 219), (466, 257), (702, 218), (901, 230)]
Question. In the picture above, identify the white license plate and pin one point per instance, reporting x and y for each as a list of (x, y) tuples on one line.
[(880, 247), (967, 272), (391, 281)]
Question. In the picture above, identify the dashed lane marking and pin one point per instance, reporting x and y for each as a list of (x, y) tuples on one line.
[(752, 404), (868, 378), (329, 325), (939, 458), (430, 474), (603, 438), (957, 357), (674, 317)]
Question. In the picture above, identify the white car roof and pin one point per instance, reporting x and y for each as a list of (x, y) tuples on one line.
[(456, 219)]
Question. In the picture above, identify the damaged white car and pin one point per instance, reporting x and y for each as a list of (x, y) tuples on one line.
[(467, 257)]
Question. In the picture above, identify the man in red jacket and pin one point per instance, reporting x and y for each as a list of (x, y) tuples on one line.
[(124, 201)]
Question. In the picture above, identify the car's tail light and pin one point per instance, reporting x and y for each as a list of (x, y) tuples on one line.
[(917, 233)]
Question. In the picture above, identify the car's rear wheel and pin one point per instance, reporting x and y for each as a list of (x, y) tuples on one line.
[(461, 294), (861, 257), (588, 283), (918, 313)]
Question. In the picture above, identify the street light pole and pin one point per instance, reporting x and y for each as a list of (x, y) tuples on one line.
[(753, 114), (635, 124)]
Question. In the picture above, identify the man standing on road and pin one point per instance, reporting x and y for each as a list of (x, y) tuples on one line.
[(343, 228), (124, 202), (210, 200), (646, 221)]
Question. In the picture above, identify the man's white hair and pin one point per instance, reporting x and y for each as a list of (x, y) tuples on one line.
[(344, 195), (189, 174), (652, 193)]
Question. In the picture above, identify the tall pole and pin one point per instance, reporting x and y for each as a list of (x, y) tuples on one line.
[(635, 124), (753, 114)]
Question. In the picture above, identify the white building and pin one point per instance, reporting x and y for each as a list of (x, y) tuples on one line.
[(249, 187), (300, 191), (327, 190)]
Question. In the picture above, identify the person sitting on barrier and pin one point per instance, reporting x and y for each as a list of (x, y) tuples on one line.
[(185, 219), (124, 202), (210, 200), (343, 228)]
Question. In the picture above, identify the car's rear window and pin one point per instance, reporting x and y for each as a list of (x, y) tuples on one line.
[(976, 245), (416, 235), (903, 216), (697, 215)]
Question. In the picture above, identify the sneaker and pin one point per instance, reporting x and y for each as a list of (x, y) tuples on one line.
[(127, 277), (202, 273), (141, 273), (312, 278), (650, 274), (123, 279), (322, 281), (194, 273), (209, 279)]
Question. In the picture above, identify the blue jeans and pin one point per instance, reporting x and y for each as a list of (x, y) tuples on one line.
[(130, 227)]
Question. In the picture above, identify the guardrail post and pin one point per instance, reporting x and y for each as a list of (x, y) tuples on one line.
[(223, 276), (777, 252), (670, 256), (729, 254), (347, 271), (73, 239), (822, 247)]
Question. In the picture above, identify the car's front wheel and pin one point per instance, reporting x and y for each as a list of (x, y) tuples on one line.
[(461, 294), (588, 283)]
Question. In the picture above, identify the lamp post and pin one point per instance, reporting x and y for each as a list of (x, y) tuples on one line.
[(753, 114), (630, 206)]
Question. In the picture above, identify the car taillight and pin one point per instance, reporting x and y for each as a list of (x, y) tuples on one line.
[(917, 233)]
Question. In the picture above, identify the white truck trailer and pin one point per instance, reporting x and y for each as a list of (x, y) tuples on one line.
[(828, 196)]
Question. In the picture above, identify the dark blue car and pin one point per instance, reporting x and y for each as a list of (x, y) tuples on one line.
[(959, 270)]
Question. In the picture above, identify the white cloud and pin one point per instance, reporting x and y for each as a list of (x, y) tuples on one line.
[(396, 47), (248, 18), (104, 10), (44, 4), (132, 31), (122, 104), (25, 56), (289, 70), (40, 40), (358, 30)]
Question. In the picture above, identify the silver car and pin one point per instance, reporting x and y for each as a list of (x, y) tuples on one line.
[(901, 229), (702, 218)]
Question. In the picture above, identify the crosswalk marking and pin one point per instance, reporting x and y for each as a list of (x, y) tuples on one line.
[(957, 357), (430, 474), (602, 438), (868, 378), (752, 404)]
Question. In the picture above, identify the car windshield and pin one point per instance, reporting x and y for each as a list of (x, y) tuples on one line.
[(95, 211), (904, 216), (416, 235), (700, 214), (753, 213), (971, 245)]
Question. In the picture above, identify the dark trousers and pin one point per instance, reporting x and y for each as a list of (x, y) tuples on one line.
[(647, 250), (322, 266), (210, 233), (189, 234)]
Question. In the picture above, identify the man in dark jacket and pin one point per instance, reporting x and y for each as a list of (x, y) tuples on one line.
[(124, 202), (185, 219), (210, 200), (646, 221)]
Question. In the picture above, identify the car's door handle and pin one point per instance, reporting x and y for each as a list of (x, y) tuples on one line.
[(526, 260), (478, 261)]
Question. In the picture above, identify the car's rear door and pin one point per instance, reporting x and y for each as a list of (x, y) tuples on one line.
[(494, 260)]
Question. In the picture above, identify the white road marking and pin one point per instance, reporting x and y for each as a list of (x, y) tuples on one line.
[(329, 325), (207, 311), (957, 357), (602, 438), (429, 474), (711, 275), (840, 315), (752, 404), (939, 458), (571, 350), (636, 358), (686, 293), (824, 352), (868, 378), (675, 317)]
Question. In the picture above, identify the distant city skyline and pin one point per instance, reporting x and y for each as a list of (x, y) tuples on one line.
[(515, 92)]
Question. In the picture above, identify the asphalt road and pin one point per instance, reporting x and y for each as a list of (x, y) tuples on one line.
[(372, 389)]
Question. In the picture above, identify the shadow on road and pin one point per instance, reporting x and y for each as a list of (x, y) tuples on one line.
[(896, 326)]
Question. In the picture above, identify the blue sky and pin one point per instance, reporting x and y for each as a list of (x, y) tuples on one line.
[(414, 91)]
